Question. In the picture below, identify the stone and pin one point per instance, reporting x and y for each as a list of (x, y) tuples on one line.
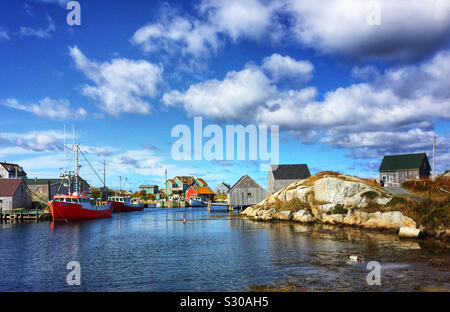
[(303, 216), (285, 215), (408, 232)]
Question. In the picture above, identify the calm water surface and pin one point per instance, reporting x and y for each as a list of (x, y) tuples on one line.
[(153, 250)]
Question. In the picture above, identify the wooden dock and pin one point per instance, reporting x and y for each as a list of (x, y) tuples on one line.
[(24, 216)]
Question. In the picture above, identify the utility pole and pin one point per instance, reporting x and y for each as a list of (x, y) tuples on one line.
[(165, 186)]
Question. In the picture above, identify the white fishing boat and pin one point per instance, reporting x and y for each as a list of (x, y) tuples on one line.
[(196, 202)]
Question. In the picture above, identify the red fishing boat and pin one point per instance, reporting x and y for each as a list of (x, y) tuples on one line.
[(124, 204), (77, 207)]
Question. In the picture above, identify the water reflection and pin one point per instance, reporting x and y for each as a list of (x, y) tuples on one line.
[(154, 250)]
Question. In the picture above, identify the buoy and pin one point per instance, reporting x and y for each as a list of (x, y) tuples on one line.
[(184, 220), (354, 258)]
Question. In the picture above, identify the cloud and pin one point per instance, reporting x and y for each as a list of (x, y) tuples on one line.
[(120, 86), (37, 141), (199, 37), (151, 147), (232, 98), (48, 108), (408, 29), (40, 33), (402, 103), (3, 34), (280, 67)]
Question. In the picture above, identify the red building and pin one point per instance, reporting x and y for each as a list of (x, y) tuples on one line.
[(200, 191)]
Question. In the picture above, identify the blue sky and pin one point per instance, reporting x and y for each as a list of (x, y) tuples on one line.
[(344, 92)]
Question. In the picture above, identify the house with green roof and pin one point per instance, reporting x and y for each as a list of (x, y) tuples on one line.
[(149, 189), (397, 169)]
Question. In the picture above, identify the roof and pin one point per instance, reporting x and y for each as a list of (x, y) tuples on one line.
[(42, 181), (291, 172), (171, 181), (11, 168), (203, 190), (9, 186), (245, 181), (404, 161), (185, 179), (202, 181), (224, 184), (145, 185)]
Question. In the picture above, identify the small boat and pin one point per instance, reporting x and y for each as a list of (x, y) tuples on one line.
[(151, 205), (77, 207), (196, 202), (124, 204)]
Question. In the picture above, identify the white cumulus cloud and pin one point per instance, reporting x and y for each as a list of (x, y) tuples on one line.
[(121, 85)]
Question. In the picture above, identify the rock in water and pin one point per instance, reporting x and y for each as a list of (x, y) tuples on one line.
[(408, 232)]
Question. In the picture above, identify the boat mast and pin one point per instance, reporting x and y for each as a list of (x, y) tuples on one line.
[(76, 166)]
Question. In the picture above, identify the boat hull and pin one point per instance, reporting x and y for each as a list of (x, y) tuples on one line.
[(72, 211), (120, 207), (196, 203)]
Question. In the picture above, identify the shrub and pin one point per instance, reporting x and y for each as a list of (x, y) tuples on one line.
[(292, 205), (338, 209), (395, 201), (370, 194)]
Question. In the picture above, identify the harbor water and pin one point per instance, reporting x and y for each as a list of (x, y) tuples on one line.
[(191, 249)]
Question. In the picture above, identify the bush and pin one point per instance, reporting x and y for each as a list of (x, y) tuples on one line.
[(338, 209), (292, 205), (395, 201), (370, 194)]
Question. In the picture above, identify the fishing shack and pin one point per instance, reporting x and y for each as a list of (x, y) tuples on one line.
[(246, 192)]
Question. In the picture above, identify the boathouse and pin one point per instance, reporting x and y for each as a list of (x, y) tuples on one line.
[(397, 169), (11, 171), (200, 191), (14, 194), (280, 176), (223, 188), (246, 192)]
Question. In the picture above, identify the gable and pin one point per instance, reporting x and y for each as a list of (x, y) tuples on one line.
[(291, 172), (245, 182)]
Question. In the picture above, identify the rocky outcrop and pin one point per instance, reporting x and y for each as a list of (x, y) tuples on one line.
[(334, 198)]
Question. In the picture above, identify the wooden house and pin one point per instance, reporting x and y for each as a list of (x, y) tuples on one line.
[(396, 169), (223, 188), (171, 186), (200, 182), (11, 171), (149, 189), (200, 191), (40, 190), (14, 193), (184, 183), (246, 192), (280, 176)]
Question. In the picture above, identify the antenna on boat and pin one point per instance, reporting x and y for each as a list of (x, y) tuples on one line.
[(64, 169)]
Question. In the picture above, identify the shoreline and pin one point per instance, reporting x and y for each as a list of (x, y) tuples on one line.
[(345, 221)]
